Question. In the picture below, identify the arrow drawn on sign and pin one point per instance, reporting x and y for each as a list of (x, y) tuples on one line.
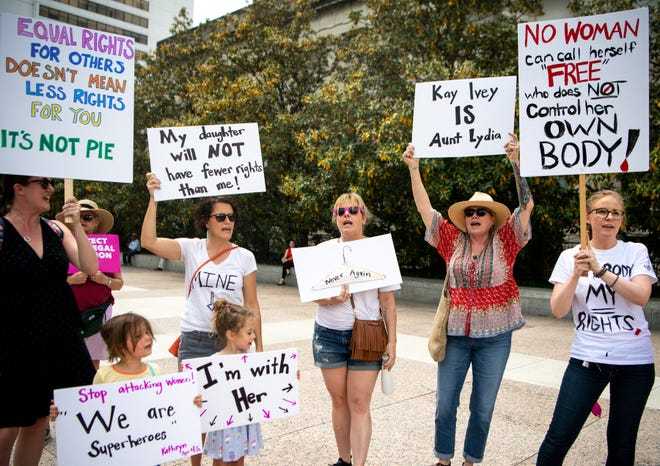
[(283, 409), (244, 358), (293, 355), (202, 413), (213, 421), (293, 403), (250, 417), (288, 388), (230, 421), (266, 413)]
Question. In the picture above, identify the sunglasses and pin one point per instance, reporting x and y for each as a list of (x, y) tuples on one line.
[(480, 211), (87, 217), (222, 216), (43, 182), (353, 210), (603, 213)]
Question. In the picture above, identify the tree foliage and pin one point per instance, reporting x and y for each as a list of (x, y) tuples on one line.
[(335, 114)]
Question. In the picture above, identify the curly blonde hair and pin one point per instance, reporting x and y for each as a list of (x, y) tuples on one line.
[(229, 316)]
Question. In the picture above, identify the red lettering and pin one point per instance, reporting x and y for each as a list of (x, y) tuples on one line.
[(545, 34), (587, 31), (574, 73)]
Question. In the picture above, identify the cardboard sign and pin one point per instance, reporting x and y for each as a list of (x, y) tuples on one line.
[(142, 421), (202, 161), (107, 251), (584, 94), (241, 389), (364, 264), (67, 98), (463, 117)]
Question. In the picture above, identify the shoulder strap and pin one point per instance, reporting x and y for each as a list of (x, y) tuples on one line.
[(192, 278), (55, 227), (151, 369)]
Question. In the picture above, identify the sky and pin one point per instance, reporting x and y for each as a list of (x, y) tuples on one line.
[(211, 9)]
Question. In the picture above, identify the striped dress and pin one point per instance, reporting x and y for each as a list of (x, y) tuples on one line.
[(484, 297)]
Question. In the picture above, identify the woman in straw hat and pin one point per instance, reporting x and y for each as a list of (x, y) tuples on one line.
[(479, 246), (95, 290)]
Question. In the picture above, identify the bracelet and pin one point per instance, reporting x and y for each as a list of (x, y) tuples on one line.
[(614, 282), (600, 273), (109, 282)]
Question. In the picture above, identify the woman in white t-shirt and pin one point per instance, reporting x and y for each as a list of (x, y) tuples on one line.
[(214, 269), (350, 382), (605, 286)]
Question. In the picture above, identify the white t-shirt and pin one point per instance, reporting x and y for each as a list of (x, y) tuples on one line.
[(213, 281), (609, 329), (340, 316)]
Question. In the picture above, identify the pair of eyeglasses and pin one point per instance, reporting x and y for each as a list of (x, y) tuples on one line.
[(602, 213), (353, 210), (222, 216), (87, 217), (43, 182), (480, 211)]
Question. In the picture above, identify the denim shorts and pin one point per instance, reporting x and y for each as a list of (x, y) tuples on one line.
[(197, 344), (332, 349)]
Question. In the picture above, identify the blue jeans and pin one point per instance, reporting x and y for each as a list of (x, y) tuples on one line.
[(581, 386), (332, 348), (488, 357)]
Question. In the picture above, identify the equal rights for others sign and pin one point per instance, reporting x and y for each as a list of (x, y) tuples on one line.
[(142, 421), (241, 389), (584, 94), (201, 161), (463, 117), (67, 98)]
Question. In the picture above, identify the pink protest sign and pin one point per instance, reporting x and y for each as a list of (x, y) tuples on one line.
[(107, 250)]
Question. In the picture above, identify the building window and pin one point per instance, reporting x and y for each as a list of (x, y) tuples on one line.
[(107, 11), (141, 4), (75, 20)]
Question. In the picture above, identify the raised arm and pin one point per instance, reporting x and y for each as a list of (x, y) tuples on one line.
[(512, 149), (78, 248), (163, 247), (422, 200)]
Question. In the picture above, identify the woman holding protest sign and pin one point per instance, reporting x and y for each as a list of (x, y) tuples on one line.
[(479, 246), (605, 285), (41, 347), (94, 293), (215, 268), (349, 376)]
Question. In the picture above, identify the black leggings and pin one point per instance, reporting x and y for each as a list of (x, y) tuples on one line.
[(581, 386), (286, 266)]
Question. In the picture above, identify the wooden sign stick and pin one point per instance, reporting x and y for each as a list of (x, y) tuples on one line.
[(584, 237), (68, 194)]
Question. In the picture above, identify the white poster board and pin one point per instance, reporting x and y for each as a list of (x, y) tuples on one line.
[(67, 100), (463, 117), (203, 161), (364, 264), (584, 94), (241, 389), (143, 421)]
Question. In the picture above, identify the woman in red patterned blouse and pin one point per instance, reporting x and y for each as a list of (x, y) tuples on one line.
[(479, 246)]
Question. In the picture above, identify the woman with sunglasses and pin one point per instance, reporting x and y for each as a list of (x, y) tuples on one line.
[(95, 290), (479, 246), (40, 344), (215, 268), (350, 382), (606, 286)]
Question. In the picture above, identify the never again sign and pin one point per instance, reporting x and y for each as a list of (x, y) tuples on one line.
[(241, 389), (141, 421), (584, 94), (203, 161)]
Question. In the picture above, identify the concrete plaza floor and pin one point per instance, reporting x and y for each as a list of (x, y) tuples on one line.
[(402, 422)]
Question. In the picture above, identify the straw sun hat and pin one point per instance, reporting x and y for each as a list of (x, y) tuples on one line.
[(106, 220), (457, 216)]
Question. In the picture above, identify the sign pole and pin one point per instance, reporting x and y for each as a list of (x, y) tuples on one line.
[(68, 194), (584, 238)]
